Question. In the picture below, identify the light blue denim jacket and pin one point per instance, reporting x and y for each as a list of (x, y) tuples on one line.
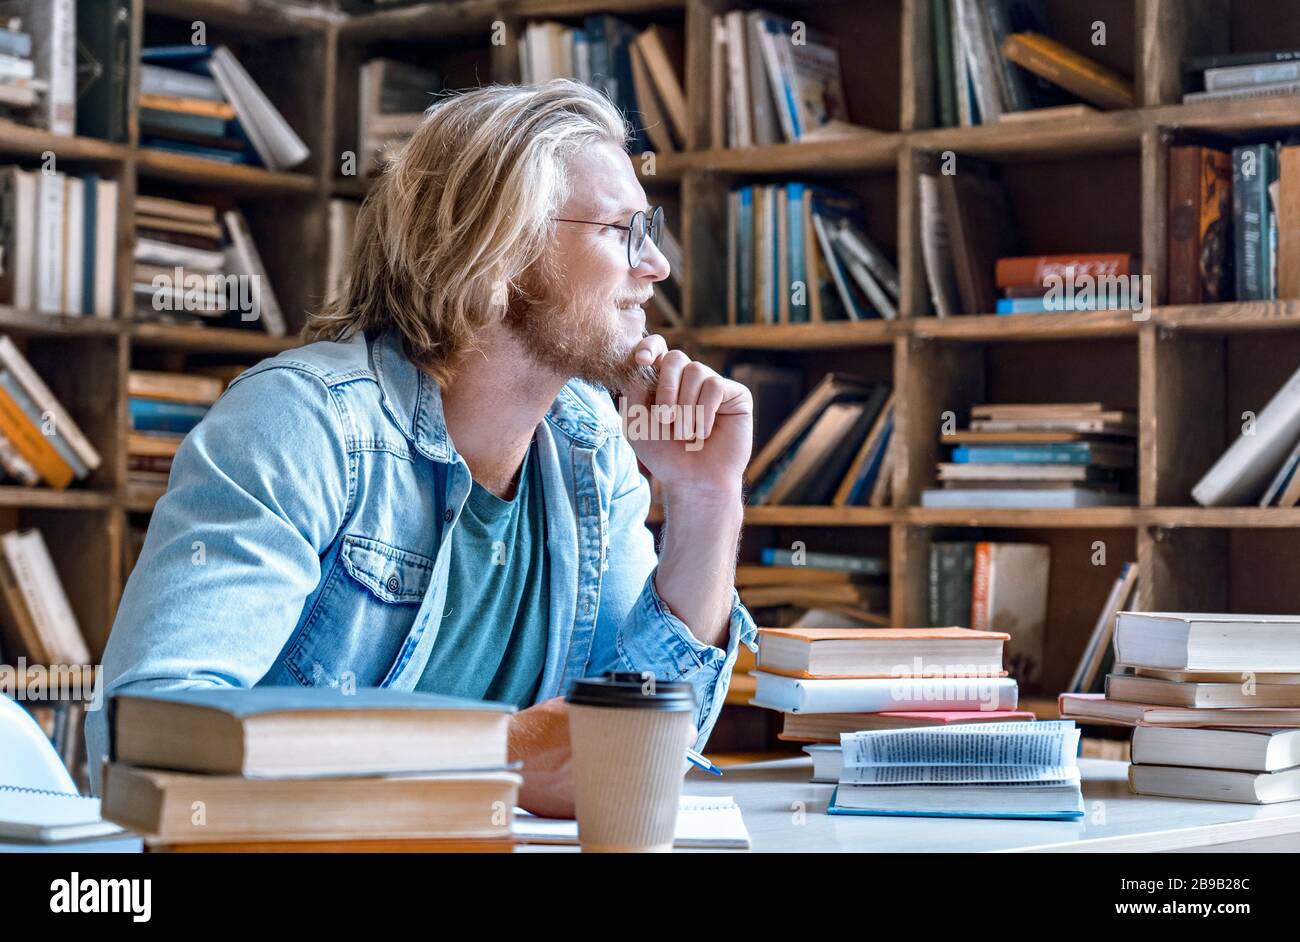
[(304, 540)]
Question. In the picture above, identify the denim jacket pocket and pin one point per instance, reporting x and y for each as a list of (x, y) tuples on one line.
[(392, 574), (364, 615)]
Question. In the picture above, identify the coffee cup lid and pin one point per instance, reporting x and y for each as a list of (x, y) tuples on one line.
[(632, 690)]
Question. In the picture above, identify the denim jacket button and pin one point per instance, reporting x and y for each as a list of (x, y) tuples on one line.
[(447, 515), (394, 584)]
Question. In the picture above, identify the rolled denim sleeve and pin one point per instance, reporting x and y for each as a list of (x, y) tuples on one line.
[(648, 637), (257, 493)]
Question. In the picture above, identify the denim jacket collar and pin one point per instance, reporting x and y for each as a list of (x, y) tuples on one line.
[(413, 399)]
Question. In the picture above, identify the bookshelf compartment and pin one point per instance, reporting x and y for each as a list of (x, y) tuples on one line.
[(1097, 195), (85, 546), (867, 37), (1106, 33), (1218, 569), (1083, 566), (941, 379), (284, 63), (1222, 27), (82, 372), (1205, 387), (705, 201)]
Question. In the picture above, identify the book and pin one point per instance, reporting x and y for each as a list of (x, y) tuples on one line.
[(1243, 693), (28, 558), (1288, 213), (1200, 234), (267, 732), (13, 361), (271, 136), (1022, 499), (244, 261), (880, 652), (52, 26), (1100, 648), (1208, 642), (978, 217), (1097, 708), (936, 254), (839, 562), (1014, 770), (1251, 750), (1035, 270), (1045, 57), (42, 816), (951, 566), (1009, 593), (1256, 788), (173, 387), (1253, 169), (832, 388), (882, 695), (1242, 472), (159, 805), (827, 727)]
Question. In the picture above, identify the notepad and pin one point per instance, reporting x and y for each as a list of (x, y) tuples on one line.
[(48, 817), (702, 821)]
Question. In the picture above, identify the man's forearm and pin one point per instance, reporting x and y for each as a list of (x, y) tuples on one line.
[(697, 559)]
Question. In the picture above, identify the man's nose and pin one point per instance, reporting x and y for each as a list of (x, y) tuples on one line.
[(653, 264)]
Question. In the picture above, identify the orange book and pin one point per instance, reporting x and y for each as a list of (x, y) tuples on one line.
[(209, 109), (881, 652), (1062, 66), (31, 444)]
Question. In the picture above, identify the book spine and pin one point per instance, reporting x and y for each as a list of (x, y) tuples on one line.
[(14, 361), (15, 465), (28, 407), (1249, 197), (981, 577), (49, 242), (865, 565), (1243, 76), (941, 34), (1184, 286), (795, 196), (1033, 269)]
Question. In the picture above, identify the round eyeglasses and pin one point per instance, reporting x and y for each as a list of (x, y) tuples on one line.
[(642, 225)]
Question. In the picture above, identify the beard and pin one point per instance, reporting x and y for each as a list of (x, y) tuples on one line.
[(576, 336)]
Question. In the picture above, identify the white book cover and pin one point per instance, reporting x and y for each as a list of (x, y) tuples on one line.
[(20, 235), (248, 264), (883, 694), (49, 242), (738, 78), (280, 147), (30, 563), (766, 127), (74, 225), (105, 247), (1243, 471)]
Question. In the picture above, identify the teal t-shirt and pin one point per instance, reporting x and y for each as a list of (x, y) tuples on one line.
[(495, 626)]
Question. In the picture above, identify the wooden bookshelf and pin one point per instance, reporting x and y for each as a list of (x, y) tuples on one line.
[(1080, 183)]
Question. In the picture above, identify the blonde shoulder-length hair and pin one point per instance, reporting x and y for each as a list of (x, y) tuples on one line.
[(461, 212)]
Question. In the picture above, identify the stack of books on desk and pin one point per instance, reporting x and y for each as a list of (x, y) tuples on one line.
[(1215, 702), (310, 769), (1039, 455), (829, 681), (995, 770)]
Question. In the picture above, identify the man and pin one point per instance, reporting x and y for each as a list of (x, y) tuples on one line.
[(437, 494)]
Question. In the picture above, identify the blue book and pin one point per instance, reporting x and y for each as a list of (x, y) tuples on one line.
[(1057, 453), (14, 43), (194, 150), (745, 258), (1063, 814), (1040, 306), (779, 29), (866, 481), (153, 415), (158, 121), (90, 224), (794, 197), (186, 57)]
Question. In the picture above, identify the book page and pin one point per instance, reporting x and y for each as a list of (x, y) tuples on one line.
[(957, 774), (1050, 743)]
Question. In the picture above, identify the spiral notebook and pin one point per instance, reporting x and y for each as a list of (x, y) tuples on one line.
[(702, 821), (47, 817)]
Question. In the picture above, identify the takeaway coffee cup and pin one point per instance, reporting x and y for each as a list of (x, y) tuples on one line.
[(629, 736)]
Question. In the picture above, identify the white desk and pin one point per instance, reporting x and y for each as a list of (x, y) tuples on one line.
[(772, 794)]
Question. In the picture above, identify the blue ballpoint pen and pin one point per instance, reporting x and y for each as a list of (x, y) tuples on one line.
[(702, 762)]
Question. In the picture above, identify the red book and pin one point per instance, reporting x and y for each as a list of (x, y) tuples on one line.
[(1034, 269)]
